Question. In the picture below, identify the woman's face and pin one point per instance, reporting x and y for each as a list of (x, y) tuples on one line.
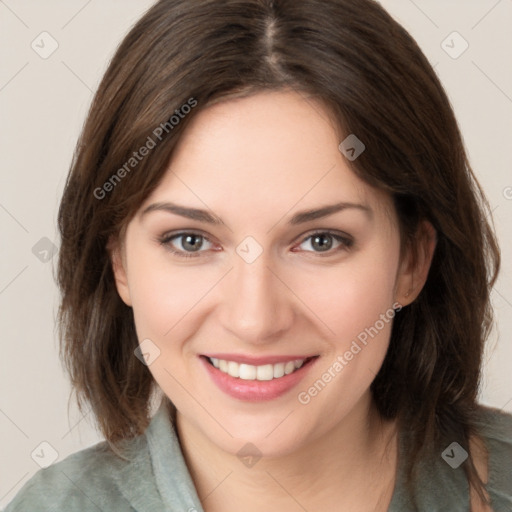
[(259, 248)]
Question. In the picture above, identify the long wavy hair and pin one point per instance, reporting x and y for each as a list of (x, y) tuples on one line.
[(374, 79)]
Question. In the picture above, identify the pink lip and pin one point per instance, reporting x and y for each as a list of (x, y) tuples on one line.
[(256, 390), (257, 361)]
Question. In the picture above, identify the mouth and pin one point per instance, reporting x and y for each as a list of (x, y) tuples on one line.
[(262, 372), (254, 379)]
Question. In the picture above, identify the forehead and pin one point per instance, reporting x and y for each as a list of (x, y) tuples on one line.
[(263, 154)]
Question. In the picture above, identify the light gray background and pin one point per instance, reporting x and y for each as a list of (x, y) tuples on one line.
[(43, 103)]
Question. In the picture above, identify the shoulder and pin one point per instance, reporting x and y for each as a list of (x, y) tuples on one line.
[(493, 455), (89, 480), (495, 425), (441, 483)]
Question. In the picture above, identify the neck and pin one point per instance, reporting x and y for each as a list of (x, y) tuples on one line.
[(351, 467)]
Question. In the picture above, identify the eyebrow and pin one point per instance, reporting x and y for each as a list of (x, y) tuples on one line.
[(299, 218)]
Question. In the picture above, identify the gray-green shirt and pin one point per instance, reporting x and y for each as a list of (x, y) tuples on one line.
[(155, 477)]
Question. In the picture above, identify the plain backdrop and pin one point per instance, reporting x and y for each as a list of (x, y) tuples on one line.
[(43, 103)]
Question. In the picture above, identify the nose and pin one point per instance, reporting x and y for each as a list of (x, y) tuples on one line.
[(257, 307)]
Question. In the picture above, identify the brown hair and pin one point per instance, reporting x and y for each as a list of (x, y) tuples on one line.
[(370, 73)]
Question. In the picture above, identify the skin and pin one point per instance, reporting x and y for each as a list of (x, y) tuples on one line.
[(255, 162)]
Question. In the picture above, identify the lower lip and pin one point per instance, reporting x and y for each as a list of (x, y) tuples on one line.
[(256, 390)]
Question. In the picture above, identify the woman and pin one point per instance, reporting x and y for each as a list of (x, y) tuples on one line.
[(270, 223)]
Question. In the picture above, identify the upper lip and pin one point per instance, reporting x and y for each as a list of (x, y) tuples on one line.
[(259, 360)]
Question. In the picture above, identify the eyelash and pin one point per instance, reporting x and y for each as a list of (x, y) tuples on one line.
[(346, 243)]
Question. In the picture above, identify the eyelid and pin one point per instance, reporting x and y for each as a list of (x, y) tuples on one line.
[(344, 238), (169, 235), (166, 239)]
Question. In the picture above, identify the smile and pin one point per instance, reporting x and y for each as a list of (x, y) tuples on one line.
[(252, 372), (253, 379)]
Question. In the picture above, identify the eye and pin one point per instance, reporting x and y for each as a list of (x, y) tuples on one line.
[(186, 244), (190, 244), (326, 242)]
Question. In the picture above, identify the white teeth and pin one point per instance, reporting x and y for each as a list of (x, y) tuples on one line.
[(265, 372), (247, 372), (233, 369), (251, 372), (278, 370), (289, 367)]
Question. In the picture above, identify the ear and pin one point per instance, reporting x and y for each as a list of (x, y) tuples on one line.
[(118, 260), (415, 265)]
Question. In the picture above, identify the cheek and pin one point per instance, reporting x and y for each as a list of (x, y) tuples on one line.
[(356, 305), (163, 294), (351, 297)]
